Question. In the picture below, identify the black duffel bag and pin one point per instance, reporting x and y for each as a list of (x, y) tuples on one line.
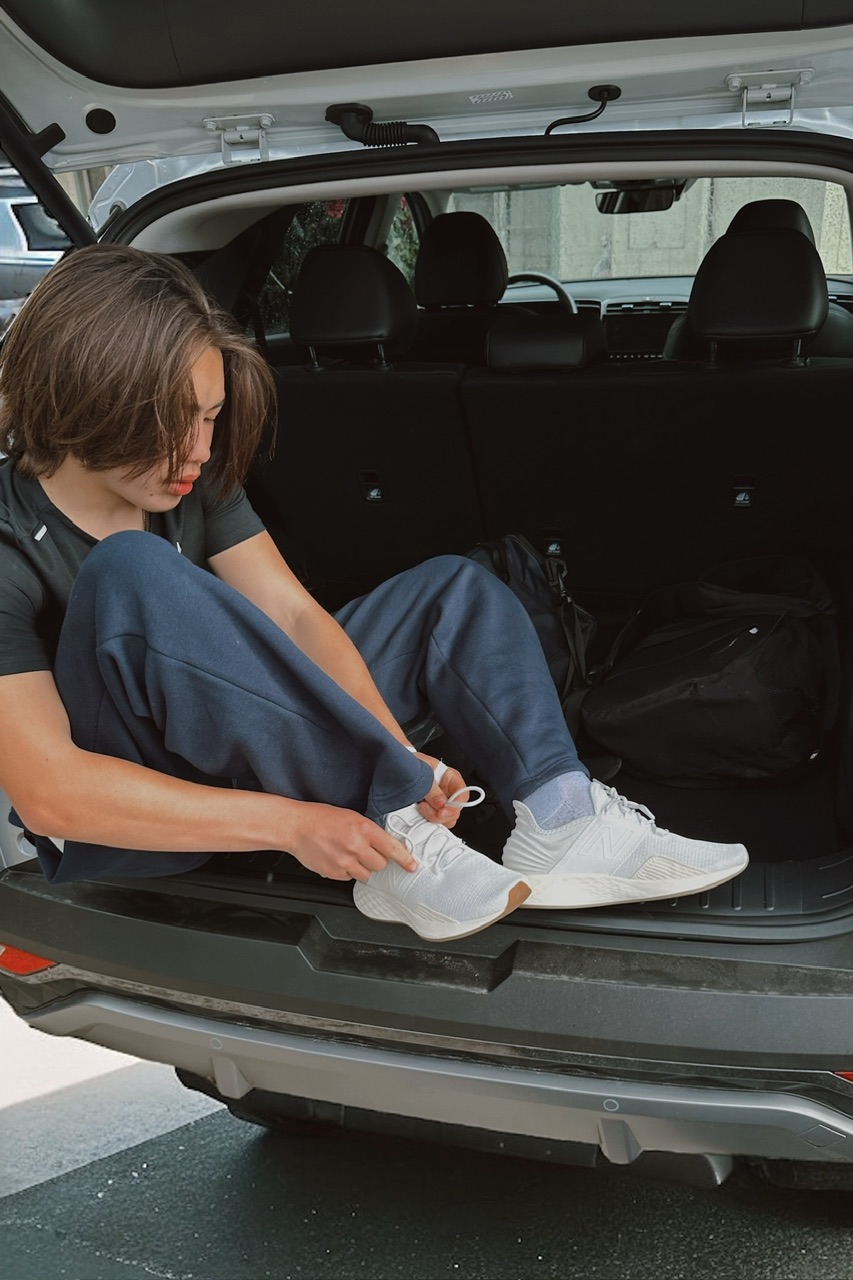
[(565, 630), (733, 678)]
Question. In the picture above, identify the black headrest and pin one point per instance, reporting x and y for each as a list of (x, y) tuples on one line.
[(525, 342), (765, 215), (759, 284), (461, 262), (351, 295)]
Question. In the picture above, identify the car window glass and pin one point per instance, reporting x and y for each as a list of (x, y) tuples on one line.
[(561, 231), (402, 240), (31, 241), (41, 231), (318, 222)]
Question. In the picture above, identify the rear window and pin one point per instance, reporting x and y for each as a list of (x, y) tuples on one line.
[(561, 230)]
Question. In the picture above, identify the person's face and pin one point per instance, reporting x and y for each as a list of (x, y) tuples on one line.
[(153, 491)]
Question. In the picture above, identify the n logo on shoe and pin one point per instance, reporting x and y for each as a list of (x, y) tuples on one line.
[(603, 842)]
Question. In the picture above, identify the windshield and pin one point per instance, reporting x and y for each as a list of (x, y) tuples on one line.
[(560, 230)]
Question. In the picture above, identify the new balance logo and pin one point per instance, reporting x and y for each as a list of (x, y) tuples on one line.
[(609, 843)]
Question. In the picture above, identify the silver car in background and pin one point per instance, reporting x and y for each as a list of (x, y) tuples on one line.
[(31, 241)]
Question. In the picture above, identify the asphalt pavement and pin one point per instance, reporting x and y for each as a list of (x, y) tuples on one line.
[(122, 1174)]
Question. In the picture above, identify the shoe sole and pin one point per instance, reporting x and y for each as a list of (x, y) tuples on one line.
[(571, 892), (379, 906)]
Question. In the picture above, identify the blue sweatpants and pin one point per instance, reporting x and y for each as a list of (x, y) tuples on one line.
[(161, 663)]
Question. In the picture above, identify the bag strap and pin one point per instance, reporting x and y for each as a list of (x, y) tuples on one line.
[(831, 673), (556, 572), (623, 639), (556, 575)]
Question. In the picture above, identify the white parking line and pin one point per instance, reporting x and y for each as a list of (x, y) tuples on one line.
[(64, 1103), (32, 1063)]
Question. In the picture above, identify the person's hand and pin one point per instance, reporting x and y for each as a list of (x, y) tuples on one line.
[(434, 806), (340, 844)]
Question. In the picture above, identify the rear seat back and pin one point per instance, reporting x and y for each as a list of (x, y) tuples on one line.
[(371, 471), (641, 473), (648, 473)]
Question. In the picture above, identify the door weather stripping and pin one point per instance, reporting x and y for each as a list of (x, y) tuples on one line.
[(765, 93), (244, 138)]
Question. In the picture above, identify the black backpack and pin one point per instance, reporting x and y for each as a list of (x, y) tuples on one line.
[(733, 678), (565, 630)]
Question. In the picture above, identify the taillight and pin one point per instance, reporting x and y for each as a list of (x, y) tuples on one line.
[(15, 961)]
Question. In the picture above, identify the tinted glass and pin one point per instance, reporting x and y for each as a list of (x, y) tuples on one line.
[(41, 231)]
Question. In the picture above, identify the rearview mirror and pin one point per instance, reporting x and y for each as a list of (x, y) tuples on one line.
[(635, 200)]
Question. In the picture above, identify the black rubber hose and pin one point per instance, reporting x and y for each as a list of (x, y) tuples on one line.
[(397, 134), (356, 122)]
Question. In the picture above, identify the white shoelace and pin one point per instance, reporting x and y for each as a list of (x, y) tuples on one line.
[(439, 771), (466, 804), (628, 808), (439, 833)]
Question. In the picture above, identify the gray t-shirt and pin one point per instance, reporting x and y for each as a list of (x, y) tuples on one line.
[(41, 552)]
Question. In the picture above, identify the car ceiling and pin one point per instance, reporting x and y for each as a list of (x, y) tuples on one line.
[(140, 44)]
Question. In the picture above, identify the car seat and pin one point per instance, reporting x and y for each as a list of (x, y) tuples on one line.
[(461, 274), (835, 337)]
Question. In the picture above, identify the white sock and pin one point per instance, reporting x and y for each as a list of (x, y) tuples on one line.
[(560, 801)]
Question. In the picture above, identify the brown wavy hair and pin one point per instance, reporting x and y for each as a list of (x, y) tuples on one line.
[(98, 364)]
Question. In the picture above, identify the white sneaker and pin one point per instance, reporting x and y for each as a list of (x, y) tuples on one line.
[(616, 855), (454, 892)]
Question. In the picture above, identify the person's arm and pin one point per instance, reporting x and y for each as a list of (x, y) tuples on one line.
[(257, 570), (58, 789)]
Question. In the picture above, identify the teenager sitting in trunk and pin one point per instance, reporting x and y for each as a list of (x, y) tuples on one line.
[(169, 690)]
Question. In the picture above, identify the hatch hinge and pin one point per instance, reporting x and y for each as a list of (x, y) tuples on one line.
[(768, 98), (244, 138)]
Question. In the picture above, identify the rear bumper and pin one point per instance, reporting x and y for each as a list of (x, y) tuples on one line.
[(532, 992), (623, 1119)]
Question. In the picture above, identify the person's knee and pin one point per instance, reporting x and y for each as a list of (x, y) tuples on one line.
[(473, 580), (128, 560), (449, 568), (459, 585)]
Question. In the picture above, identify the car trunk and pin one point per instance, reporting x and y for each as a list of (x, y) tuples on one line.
[(639, 489), (636, 469)]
